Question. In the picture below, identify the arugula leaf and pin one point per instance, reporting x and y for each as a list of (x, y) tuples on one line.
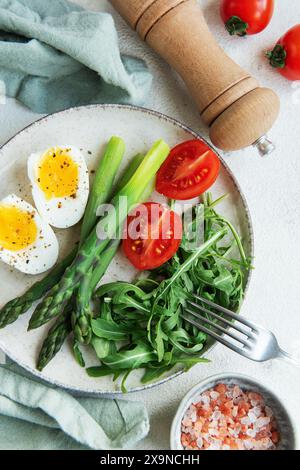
[(130, 359), (103, 347), (159, 340), (189, 361), (154, 373), (109, 330), (99, 371)]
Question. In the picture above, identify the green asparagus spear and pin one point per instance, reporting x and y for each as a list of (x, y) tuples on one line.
[(129, 171), (93, 248), (103, 184), (56, 338), (16, 307), (82, 314), (77, 353)]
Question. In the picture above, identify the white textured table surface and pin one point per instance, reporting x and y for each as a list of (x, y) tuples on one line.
[(272, 188)]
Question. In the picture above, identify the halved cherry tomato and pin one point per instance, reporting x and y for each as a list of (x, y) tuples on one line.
[(152, 236), (243, 17), (191, 168), (286, 54)]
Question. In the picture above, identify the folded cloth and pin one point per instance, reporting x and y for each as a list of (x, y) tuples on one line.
[(54, 55), (35, 416)]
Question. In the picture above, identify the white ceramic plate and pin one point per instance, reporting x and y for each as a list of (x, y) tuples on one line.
[(89, 128)]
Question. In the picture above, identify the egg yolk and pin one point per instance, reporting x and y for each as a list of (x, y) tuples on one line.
[(18, 229), (58, 174)]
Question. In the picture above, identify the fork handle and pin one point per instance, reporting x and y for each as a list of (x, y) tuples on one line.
[(288, 358)]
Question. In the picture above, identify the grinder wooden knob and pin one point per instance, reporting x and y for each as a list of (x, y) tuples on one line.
[(238, 111)]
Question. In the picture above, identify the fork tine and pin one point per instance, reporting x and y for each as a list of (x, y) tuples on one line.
[(223, 320), (226, 311), (217, 337), (217, 327)]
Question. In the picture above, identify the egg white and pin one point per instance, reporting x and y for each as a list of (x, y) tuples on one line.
[(60, 212), (42, 254)]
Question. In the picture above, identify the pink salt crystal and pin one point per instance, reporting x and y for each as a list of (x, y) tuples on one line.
[(266, 443), (206, 400), (197, 399), (199, 442), (257, 411), (261, 422), (246, 421), (251, 432), (226, 447), (223, 422), (198, 426), (187, 422), (206, 407), (230, 421), (236, 392), (248, 443), (238, 400), (233, 433), (205, 437), (213, 424), (216, 445), (190, 431), (192, 409), (238, 427), (214, 395), (213, 431), (221, 388), (255, 396), (216, 415), (235, 411), (252, 416)]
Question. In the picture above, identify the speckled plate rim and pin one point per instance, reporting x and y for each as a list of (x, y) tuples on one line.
[(92, 393), (214, 379)]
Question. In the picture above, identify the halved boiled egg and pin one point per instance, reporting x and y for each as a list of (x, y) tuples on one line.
[(60, 185), (27, 242)]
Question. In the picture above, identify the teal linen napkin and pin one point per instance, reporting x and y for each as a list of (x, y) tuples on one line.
[(35, 416), (54, 55)]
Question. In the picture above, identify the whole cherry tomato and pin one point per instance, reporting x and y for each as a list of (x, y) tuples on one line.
[(243, 17), (286, 54)]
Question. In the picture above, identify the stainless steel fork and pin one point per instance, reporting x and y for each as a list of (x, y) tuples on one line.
[(238, 334)]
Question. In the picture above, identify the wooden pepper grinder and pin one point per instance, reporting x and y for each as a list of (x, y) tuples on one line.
[(238, 111)]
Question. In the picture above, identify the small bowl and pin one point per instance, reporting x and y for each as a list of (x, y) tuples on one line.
[(284, 420)]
